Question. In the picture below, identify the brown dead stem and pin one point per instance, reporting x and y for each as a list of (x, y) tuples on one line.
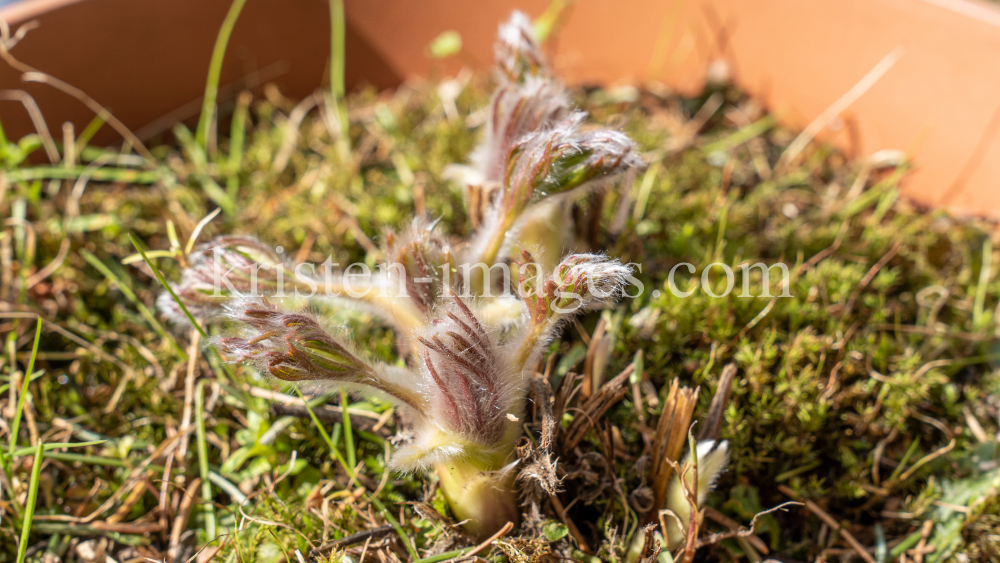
[(560, 511), (735, 531), (564, 394), (31, 74), (669, 441), (650, 546), (364, 535), (591, 410), (180, 521), (833, 524), (691, 495), (594, 346), (869, 277), (712, 423), (538, 477)]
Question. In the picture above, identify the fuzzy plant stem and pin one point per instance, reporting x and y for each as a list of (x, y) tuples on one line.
[(486, 500)]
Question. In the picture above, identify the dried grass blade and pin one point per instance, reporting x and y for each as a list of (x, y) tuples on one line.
[(670, 439)]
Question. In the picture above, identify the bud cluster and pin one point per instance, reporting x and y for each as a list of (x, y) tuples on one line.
[(467, 354)]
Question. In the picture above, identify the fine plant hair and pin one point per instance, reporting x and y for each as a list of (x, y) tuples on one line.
[(468, 350)]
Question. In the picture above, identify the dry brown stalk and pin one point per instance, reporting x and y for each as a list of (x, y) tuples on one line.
[(136, 528), (564, 394), (37, 119), (193, 354), (670, 439), (208, 553), (560, 511), (925, 533), (734, 530), (591, 410), (593, 350), (166, 447), (833, 524), (712, 422), (489, 541), (836, 108), (180, 521), (138, 489), (545, 400), (869, 277), (31, 74), (650, 547), (352, 539)]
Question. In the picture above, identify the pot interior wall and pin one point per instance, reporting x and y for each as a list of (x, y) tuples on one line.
[(147, 62)]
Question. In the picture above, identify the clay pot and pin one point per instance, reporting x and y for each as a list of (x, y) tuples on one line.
[(940, 101)]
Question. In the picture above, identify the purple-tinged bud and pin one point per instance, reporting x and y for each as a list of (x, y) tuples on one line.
[(564, 158), (418, 259), (580, 282), (228, 267), (474, 386), (294, 347), (514, 112), (516, 52)]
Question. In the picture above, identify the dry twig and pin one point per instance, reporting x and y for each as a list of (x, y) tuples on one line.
[(833, 524)]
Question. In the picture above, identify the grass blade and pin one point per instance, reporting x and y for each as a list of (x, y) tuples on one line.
[(352, 461), (206, 484), (215, 70), (55, 446), (131, 296), (88, 133), (337, 32), (337, 66), (197, 230), (16, 423), (124, 175), (414, 556), (164, 283), (237, 136), (326, 436), (985, 272), (454, 554), (29, 508)]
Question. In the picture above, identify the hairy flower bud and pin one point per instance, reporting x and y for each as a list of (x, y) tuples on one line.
[(294, 347), (516, 52), (464, 392), (418, 258), (580, 282), (227, 267), (514, 112), (590, 280), (564, 158), (548, 164), (474, 385), (233, 268)]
